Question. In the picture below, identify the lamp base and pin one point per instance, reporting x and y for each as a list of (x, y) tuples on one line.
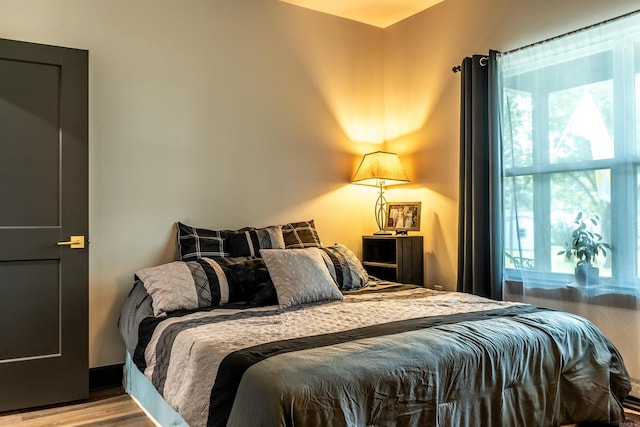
[(382, 233)]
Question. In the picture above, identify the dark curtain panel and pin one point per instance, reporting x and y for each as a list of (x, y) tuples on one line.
[(480, 216)]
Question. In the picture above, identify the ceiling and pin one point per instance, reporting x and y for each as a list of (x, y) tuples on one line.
[(379, 13)]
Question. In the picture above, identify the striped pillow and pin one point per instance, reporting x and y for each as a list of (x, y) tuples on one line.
[(189, 285), (345, 267), (247, 242)]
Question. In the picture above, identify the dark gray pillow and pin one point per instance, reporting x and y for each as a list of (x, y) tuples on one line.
[(345, 267), (252, 277), (247, 242)]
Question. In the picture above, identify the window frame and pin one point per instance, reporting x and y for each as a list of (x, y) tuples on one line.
[(622, 57)]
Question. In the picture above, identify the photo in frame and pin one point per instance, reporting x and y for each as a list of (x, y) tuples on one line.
[(403, 216)]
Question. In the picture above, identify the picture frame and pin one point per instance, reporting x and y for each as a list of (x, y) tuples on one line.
[(403, 217)]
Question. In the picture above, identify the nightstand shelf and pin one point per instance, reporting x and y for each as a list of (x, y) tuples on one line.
[(394, 258)]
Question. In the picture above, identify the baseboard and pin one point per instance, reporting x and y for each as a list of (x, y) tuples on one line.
[(104, 377)]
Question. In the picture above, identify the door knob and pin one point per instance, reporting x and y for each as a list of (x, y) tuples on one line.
[(75, 242)]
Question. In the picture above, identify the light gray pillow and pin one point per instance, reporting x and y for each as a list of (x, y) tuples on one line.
[(188, 285), (170, 286), (300, 276)]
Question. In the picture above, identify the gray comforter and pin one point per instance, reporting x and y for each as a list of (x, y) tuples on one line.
[(408, 358)]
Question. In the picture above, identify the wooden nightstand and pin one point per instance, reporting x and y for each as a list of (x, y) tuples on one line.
[(394, 258)]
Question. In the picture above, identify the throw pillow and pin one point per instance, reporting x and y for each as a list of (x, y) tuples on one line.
[(345, 267), (300, 235), (196, 243), (300, 276)]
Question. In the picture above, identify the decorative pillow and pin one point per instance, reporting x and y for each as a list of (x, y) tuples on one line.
[(196, 243), (252, 277), (300, 235), (345, 267), (300, 276), (188, 285), (247, 242)]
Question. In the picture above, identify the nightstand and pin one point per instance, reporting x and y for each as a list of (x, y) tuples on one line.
[(394, 258)]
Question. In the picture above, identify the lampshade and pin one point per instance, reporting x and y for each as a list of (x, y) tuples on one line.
[(380, 169)]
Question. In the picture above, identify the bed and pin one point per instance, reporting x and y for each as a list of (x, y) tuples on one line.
[(302, 336)]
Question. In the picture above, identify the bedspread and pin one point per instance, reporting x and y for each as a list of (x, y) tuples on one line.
[(407, 358)]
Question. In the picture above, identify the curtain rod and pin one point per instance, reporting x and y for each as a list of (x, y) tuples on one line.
[(597, 24), (458, 68), (483, 62)]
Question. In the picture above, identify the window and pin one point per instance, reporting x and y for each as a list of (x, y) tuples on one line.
[(571, 143)]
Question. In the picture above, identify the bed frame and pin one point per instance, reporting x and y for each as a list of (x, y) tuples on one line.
[(147, 397)]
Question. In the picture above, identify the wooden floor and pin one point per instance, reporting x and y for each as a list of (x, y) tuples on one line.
[(106, 408), (114, 408)]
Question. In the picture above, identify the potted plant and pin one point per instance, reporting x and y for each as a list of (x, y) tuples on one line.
[(585, 245)]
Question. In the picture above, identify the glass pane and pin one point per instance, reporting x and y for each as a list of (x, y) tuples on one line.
[(518, 222), (588, 192), (581, 123), (518, 129), (636, 58)]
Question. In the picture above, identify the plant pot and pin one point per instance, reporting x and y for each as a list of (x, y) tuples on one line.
[(587, 275)]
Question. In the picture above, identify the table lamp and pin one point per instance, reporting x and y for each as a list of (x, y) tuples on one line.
[(380, 169)]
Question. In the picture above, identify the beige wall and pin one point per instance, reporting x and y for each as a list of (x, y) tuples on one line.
[(226, 113), (217, 113)]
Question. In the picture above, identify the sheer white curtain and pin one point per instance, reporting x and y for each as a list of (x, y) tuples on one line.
[(571, 156)]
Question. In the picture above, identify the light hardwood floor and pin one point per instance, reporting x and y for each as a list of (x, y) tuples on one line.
[(107, 408), (114, 408)]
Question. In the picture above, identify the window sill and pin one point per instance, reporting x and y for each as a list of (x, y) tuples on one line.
[(606, 295)]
